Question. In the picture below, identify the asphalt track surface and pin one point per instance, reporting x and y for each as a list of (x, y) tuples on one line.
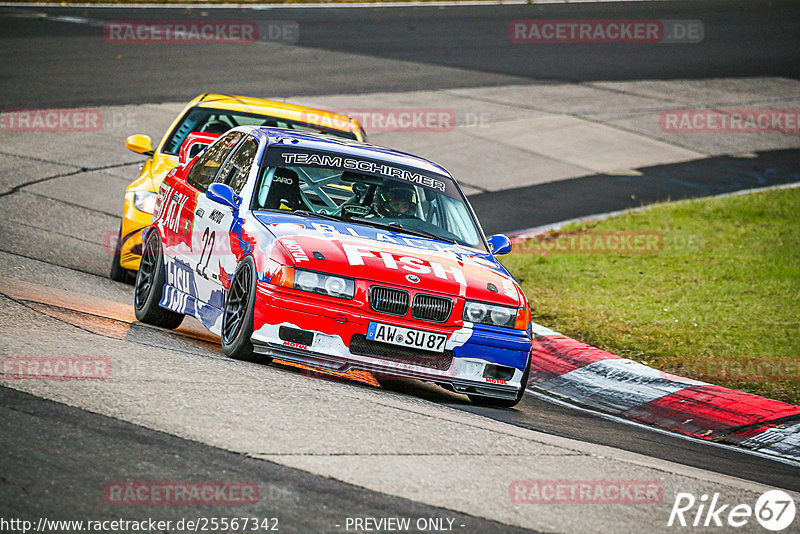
[(51, 63), (89, 447), (543, 204), (46, 63)]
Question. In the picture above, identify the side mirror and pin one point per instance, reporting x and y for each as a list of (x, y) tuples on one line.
[(500, 244), (140, 143), (194, 143), (223, 194)]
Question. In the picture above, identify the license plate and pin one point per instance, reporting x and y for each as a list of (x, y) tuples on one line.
[(406, 337)]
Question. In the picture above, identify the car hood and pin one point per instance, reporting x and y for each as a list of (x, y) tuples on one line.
[(379, 255)]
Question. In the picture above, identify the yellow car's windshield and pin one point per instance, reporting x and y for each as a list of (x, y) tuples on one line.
[(219, 121)]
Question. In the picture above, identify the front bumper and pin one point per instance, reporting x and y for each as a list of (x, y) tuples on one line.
[(342, 364), (332, 328)]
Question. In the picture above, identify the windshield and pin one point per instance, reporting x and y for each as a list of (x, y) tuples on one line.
[(219, 121), (369, 198)]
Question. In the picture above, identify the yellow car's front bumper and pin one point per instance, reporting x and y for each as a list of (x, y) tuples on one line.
[(133, 222)]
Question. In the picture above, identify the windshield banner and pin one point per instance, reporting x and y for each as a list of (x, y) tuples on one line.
[(297, 158)]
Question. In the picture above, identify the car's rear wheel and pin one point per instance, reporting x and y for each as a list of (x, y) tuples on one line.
[(149, 283), (118, 273), (505, 403), (237, 318)]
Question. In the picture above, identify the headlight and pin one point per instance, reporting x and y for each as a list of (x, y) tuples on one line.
[(324, 284), (144, 201), (306, 281), (492, 314)]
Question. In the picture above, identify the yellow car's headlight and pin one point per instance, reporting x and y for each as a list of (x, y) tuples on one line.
[(144, 201)]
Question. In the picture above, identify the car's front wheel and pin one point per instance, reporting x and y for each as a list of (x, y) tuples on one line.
[(505, 403), (237, 318), (150, 281)]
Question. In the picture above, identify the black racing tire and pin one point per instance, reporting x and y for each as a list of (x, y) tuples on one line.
[(494, 402), (118, 273), (148, 288), (237, 314)]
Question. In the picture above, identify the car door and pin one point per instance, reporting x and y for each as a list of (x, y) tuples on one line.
[(214, 222), (186, 290)]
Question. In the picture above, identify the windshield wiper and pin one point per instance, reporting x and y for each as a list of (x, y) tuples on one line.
[(398, 226)]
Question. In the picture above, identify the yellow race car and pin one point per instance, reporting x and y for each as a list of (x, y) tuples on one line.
[(210, 114)]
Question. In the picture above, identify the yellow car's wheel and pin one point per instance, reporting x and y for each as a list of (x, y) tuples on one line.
[(119, 273)]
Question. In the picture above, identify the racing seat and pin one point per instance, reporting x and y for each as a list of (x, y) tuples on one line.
[(216, 127), (284, 191)]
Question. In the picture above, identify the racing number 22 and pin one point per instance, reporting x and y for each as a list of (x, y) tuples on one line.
[(209, 238)]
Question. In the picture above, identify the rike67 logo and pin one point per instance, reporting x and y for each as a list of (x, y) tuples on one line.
[(774, 510)]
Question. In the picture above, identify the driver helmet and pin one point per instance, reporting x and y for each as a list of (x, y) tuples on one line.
[(395, 200)]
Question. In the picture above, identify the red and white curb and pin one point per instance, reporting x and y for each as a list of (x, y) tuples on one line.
[(581, 374)]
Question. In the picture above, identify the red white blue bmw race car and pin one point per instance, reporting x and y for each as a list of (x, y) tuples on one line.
[(336, 254)]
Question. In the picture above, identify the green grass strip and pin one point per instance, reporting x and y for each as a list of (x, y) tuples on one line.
[(712, 291)]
